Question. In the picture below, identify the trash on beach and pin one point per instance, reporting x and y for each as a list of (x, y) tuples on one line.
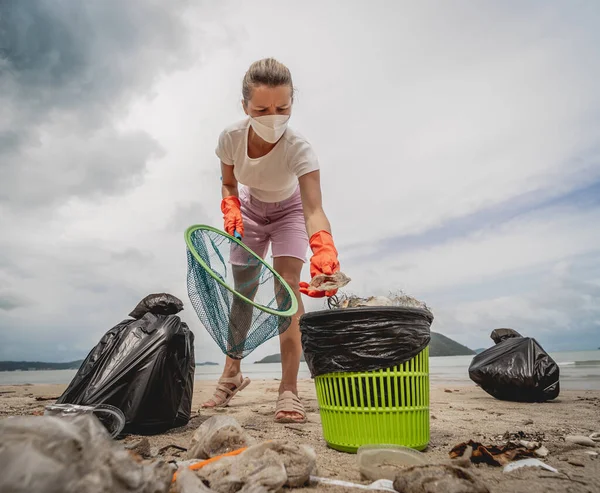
[(516, 369), (379, 485), (528, 463), (350, 301), (218, 435), (111, 417), (75, 455), (384, 461), (595, 436), (442, 477), (121, 370), (580, 440), (495, 455), (324, 282), (267, 466), (188, 482)]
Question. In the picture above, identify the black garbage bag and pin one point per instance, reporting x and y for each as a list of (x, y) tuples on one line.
[(363, 338), (516, 369), (144, 367)]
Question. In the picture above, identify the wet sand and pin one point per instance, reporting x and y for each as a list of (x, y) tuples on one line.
[(457, 415)]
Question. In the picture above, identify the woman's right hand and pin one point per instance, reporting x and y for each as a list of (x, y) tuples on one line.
[(232, 214)]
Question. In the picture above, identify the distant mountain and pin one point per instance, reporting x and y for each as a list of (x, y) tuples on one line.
[(480, 350), (444, 346), (38, 365), (440, 345), (207, 363)]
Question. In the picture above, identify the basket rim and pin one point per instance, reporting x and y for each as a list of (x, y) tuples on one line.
[(366, 309), (190, 246)]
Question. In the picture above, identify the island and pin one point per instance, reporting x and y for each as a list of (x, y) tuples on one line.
[(38, 365), (440, 345)]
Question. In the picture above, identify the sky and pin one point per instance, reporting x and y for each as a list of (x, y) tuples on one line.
[(459, 145)]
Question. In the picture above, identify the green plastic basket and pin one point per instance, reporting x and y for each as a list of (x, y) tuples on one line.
[(388, 406)]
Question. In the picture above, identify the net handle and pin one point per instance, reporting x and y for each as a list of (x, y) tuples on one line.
[(188, 241)]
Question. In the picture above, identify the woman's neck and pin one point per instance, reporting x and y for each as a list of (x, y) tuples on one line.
[(257, 147)]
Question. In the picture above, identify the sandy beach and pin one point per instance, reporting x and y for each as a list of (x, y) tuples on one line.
[(458, 414)]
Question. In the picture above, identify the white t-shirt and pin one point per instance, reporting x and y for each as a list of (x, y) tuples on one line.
[(273, 177)]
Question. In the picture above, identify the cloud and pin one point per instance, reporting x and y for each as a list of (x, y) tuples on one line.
[(70, 70), (458, 146)]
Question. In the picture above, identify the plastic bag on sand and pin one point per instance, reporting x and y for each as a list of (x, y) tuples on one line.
[(365, 334), (516, 369), (217, 435), (55, 455), (143, 367), (265, 467)]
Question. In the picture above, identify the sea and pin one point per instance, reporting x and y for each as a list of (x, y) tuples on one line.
[(579, 370)]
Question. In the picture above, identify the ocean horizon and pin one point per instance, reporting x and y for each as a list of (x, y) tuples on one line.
[(579, 370)]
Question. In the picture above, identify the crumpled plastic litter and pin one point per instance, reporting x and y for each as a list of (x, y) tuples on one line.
[(432, 478), (493, 454), (188, 482), (216, 436), (325, 282), (76, 455), (263, 467), (299, 459)]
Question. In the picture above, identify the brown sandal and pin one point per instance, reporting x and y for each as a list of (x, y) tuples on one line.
[(223, 394), (289, 402)]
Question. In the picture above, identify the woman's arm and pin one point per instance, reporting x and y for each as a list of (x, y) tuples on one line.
[(230, 184), (314, 215)]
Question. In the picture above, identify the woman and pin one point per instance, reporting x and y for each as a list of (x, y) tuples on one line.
[(279, 203)]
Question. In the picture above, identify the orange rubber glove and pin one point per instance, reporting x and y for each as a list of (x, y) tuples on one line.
[(323, 261), (232, 214)]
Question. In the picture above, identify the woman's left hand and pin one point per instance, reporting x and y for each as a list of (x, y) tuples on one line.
[(323, 261)]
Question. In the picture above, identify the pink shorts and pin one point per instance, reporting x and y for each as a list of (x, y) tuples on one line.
[(280, 224)]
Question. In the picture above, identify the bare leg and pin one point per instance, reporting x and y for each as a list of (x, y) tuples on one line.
[(246, 283), (289, 342)]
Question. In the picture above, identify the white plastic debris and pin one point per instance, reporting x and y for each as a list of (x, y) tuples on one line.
[(528, 463), (380, 484)]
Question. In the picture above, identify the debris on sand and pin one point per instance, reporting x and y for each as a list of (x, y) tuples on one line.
[(267, 466), (497, 455), (188, 482), (75, 455), (299, 460), (580, 440), (433, 478), (216, 436)]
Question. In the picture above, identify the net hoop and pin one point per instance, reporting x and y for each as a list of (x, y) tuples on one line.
[(204, 227)]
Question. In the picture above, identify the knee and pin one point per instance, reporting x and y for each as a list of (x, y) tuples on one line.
[(291, 278)]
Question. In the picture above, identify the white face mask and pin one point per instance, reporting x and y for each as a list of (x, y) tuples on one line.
[(270, 127)]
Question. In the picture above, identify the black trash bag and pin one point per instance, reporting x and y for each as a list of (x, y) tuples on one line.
[(363, 338), (143, 367), (499, 335), (516, 369), (158, 304)]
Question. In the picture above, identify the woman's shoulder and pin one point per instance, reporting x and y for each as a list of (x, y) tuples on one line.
[(236, 129)]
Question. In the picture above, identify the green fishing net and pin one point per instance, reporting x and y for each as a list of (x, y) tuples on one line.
[(241, 301)]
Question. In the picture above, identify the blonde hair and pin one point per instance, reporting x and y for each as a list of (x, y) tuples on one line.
[(268, 72)]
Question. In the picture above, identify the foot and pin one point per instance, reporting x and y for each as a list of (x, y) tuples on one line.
[(289, 408), (226, 389)]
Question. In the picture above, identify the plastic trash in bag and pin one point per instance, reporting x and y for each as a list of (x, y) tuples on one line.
[(516, 369), (373, 334), (143, 367)]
